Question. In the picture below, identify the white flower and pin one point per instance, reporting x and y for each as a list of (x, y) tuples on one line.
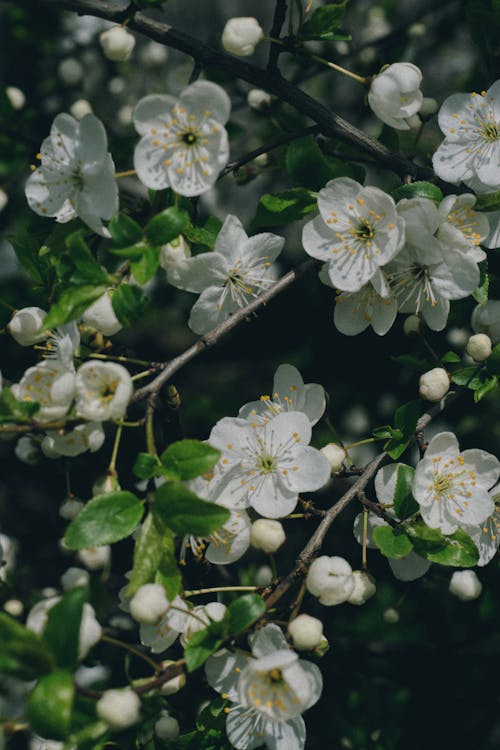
[(479, 347), (175, 684), (174, 253), (434, 384), (465, 585), (120, 709), (269, 691), (101, 316), (117, 43), (258, 99), (95, 557), (451, 487), (364, 588), (73, 578), (241, 36), (49, 383), (462, 228), (335, 456), (84, 437), (149, 603), (395, 95), (306, 632), (167, 728), (76, 176), (238, 269), (25, 324), (486, 319), (356, 232), (486, 536), (200, 617), (330, 579), (80, 108), (289, 393), (373, 305), (471, 148), (160, 636), (267, 535), (184, 144), (90, 630), (63, 343), (427, 273), (267, 466), (16, 97), (103, 390)]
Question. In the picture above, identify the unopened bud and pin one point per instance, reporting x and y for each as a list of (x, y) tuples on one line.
[(95, 557), (330, 579), (117, 43), (241, 36), (364, 588), (479, 347), (120, 709), (434, 384), (306, 632), (465, 585), (391, 616), (167, 728), (149, 604), (412, 325), (428, 107), (25, 326), (258, 99), (16, 97), (267, 535), (335, 456), (101, 316), (80, 108)]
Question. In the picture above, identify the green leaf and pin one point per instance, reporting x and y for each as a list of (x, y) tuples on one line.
[(132, 252), (62, 631), (71, 303), (282, 208), (27, 249), (450, 357), (243, 612), (145, 268), (306, 164), (205, 235), (488, 201), (493, 362), (146, 466), (490, 383), (168, 573), (324, 21), (167, 225), (104, 520), (124, 230), (481, 293), (468, 376), (418, 190), (187, 459), (381, 433), (455, 550), (128, 304), (50, 705), (405, 504), (23, 654), (148, 552), (182, 511), (391, 542), (90, 272), (12, 409), (203, 644), (405, 420)]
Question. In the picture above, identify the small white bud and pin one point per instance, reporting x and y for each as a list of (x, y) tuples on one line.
[(434, 384), (412, 325), (173, 685), (414, 122), (364, 588), (465, 585), (241, 35), (4, 199), (80, 108), (101, 316), (125, 114), (263, 576), (153, 54), (167, 728), (479, 347), (16, 97), (116, 85), (258, 99), (105, 485), (429, 107), (417, 30), (174, 253), (70, 71), (13, 607), (95, 557), (204, 615), (73, 578), (335, 456), (306, 632), (27, 450), (25, 325), (267, 535), (117, 43), (149, 604), (391, 616), (120, 709), (70, 508), (330, 579)]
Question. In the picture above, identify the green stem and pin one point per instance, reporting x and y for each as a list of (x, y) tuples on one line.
[(304, 53), (219, 589), (116, 445), (362, 442), (150, 436), (133, 650)]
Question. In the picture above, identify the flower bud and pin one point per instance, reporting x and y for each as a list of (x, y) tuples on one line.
[(429, 107), (364, 588), (331, 580), (120, 709), (117, 43), (335, 455), (70, 508), (465, 585), (479, 347), (267, 535), (73, 578), (263, 576), (391, 616), (167, 728), (27, 450), (258, 99), (80, 108), (241, 35), (434, 384), (13, 607), (175, 684), (174, 253), (25, 326), (306, 632), (204, 615), (394, 94), (16, 97), (70, 71), (101, 316), (105, 485), (149, 604), (412, 325), (95, 557)]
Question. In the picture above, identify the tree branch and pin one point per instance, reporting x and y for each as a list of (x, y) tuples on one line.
[(330, 124)]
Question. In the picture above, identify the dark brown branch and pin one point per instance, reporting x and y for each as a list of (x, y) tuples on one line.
[(278, 21)]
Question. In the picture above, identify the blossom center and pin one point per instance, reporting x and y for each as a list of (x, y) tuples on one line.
[(189, 137), (365, 231), (266, 463)]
